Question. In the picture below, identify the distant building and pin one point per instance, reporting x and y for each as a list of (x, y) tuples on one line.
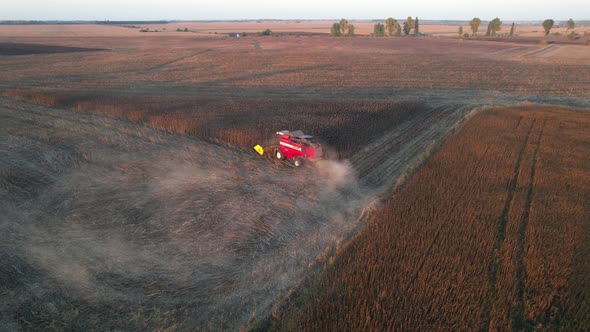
[(234, 35)]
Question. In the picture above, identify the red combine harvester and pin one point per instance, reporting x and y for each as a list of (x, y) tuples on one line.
[(295, 146)]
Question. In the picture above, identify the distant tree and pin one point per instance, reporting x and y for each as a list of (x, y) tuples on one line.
[(350, 32), (408, 25), (379, 30), (392, 26), (343, 26), (335, 30), (416, 27), (489, 31), (512, 29), (398, 29), (547, 25), (266, 32), (460, 32), (474, 23), (495, 26), (571, 33), (571, 24)]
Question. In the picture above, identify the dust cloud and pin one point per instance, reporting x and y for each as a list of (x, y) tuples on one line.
[(111, 225)]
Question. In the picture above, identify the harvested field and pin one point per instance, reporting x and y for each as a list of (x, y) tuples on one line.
[(106, 218), (569, 53), (111, 225), (490, 235), (541, 40), (236, 92), (131, 197), (64, 31), (291, 66)]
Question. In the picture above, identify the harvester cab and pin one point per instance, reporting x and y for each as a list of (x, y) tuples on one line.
[(295, 146)]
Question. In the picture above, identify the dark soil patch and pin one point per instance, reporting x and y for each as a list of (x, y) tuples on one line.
[(11, 49)]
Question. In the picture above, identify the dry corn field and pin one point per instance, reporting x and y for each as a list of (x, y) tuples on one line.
[(454, 194)]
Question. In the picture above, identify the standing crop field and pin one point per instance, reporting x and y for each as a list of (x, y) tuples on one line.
[(491, 234), (248, 121)]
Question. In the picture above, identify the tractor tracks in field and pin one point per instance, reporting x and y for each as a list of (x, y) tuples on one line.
[(165, 64), (501, 234), (501, 225), (383, 161), (522, 231), (538, 52), (256, 76)]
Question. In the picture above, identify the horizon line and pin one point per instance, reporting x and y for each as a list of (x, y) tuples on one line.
[(258, 19)]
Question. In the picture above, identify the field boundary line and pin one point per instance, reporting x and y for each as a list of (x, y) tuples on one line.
[(536, 51), (382, 169), (519, 317), (501, 234), (160, 66), (268, 74), (504, 50), (377, 152)]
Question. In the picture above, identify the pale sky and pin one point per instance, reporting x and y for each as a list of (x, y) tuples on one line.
[(507, 10)]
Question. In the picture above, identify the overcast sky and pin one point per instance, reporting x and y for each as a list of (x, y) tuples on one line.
[(293, 9)]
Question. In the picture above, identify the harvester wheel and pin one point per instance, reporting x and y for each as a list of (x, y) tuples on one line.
[(297, 162), (279, 154)]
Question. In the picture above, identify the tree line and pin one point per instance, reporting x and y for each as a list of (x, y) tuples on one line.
[(342, 28), (495, 25), (391, 27), (570, 32)]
